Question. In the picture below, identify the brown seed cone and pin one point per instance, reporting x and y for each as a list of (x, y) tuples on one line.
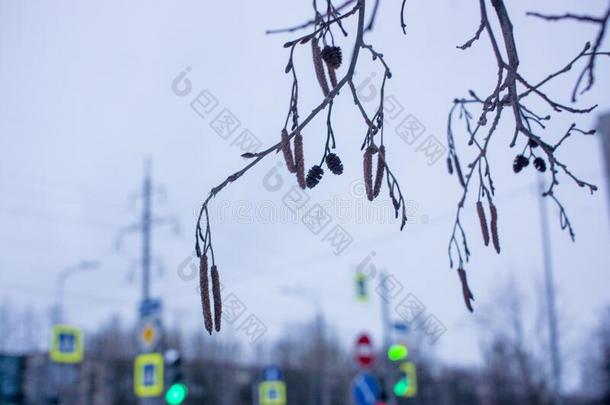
[(319, 67), (299, 159), (205, 293), (217, 298), (287, 152), (494, 227), (468, 297), (380, 171), (367, 162), (483, 221), (332, 75)]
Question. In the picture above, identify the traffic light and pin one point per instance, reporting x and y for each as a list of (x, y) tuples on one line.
[(362, 293), (406, 386), (177, 391), (176, 394), (397, 352)]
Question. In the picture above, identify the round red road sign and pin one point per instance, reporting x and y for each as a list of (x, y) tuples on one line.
[(364, 351)]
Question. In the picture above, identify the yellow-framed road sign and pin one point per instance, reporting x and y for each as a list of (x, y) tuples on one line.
[(148, 375), (67, 344), (272, 393)]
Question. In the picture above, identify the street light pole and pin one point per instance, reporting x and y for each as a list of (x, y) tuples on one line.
[(60, 283)]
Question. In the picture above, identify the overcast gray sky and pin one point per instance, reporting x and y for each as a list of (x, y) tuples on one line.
[(86, 96)]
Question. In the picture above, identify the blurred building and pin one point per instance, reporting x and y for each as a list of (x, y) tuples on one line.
[(603, 128)]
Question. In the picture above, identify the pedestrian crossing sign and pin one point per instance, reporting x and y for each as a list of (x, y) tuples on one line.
[(148, 375), (66, 344), (272, 393)]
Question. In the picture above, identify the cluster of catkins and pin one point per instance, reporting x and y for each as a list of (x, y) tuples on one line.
[(204, 285), (493, 225), (521, 161), (296, 162), (331, 57)]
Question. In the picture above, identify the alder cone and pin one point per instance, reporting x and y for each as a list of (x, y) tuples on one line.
[(333, 56), (334, 164), (540, 164), (314, 176), (520, 163)]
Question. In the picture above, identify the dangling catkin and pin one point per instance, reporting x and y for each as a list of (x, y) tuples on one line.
[(332, 75), (380, 171), (466, 289), (287, 152), (217, 298), (319, 67), (299, 159), (494, 226), (483, 221), (205, 293), (367, 162)]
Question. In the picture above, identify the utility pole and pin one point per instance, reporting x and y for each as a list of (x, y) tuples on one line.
[(149, 311), (146, 226), (550, 296)]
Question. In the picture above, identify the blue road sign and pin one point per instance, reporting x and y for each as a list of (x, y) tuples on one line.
[(272, 373), (365, 389), (401, 327), (150, 307)]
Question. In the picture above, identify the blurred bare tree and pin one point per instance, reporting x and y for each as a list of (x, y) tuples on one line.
[(596, 364), (514, 371)]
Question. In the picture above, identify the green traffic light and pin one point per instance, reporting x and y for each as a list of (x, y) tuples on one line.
[(401, 387), (176, 394), (397, 352)]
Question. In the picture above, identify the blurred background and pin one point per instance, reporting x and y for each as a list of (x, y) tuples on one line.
[(111, 136)]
